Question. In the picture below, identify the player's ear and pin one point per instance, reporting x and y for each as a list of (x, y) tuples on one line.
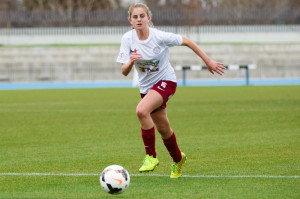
[(130, 21)]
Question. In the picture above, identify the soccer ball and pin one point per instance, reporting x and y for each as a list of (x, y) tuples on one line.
[(114, 179)]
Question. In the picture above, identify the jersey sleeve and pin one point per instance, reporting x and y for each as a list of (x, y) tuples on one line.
[(171, 39), (124, 54)]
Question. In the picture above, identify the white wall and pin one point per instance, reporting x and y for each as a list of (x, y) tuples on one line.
[(104, 35)]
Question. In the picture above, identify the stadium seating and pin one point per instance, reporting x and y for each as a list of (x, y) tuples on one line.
[(97, 63)]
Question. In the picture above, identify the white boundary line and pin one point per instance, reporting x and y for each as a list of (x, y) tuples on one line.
[(146, 175)]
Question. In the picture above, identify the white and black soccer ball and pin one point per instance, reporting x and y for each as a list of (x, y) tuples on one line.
[(114, 179)]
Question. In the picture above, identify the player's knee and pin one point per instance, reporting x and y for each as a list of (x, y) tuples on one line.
[(141, 113)]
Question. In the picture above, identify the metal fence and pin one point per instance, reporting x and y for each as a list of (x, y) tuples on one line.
[(111, 30), (161, 17)]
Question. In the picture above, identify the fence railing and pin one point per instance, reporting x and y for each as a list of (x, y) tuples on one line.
[(123, 29), (230, 67)]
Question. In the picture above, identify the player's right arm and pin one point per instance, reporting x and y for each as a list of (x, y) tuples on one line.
[(126, 68)]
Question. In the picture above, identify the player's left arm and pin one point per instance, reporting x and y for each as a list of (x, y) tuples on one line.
[(212, 65)]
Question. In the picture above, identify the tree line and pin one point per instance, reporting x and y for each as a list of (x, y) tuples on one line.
[(95, 13)]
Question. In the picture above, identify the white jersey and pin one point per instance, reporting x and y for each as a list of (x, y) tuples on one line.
[(154, 65)]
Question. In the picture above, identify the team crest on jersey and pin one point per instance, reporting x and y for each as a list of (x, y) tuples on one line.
[(156, 50)]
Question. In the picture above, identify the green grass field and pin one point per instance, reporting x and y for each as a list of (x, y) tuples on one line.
[(238, 140)]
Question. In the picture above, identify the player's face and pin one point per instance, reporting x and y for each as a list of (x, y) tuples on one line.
[(139, 18)]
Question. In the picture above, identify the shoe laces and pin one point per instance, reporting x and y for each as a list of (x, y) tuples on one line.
[(174, 167)]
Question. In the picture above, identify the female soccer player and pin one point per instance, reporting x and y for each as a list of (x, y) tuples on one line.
[(147, 49)]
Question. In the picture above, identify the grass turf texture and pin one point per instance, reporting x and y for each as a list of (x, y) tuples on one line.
[(225, 131)]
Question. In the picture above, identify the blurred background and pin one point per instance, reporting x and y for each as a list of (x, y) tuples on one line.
[(78, 40)]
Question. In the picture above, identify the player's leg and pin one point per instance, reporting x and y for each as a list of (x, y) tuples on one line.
[(150, 102), (162, 124)]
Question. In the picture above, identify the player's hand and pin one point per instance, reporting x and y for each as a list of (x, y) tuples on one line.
[(135, 56), (217, 67)]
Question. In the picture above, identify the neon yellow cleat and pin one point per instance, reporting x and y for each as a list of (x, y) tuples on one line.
[(149, 164), (176, 167)]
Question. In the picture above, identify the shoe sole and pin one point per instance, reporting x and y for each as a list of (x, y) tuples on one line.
[(149, 170)]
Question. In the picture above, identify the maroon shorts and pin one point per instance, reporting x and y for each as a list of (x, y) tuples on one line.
[(166, 89)]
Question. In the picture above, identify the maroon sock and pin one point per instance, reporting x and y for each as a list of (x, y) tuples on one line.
[(149, 141), (171, 145)]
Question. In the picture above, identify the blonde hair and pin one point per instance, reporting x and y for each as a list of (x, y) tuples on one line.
[(145, 7)]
